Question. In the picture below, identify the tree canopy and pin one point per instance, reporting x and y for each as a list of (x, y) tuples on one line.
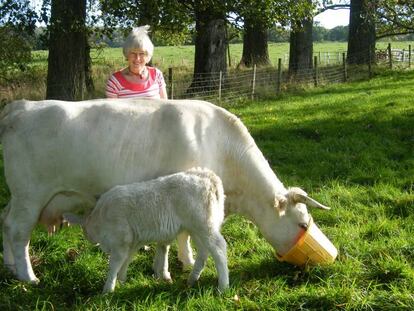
[(17, 25), (394, 17), (177, 22)]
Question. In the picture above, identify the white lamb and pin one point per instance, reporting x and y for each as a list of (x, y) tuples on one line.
[(127, 217)]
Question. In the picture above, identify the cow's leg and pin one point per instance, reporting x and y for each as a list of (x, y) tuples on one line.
[(185, 252), (17, 227), (160, 265), (8, 258)]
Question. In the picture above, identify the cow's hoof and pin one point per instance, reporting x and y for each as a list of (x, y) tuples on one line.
[(11, 268), (30, 279), (191, 281), (166, 277), (34, 281), (188, 266)]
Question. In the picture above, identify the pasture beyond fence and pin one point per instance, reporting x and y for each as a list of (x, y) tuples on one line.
[(235, 83)]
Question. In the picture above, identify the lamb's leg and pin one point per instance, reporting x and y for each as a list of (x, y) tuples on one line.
[(217, 246), (185, 252), (122, 274), (116, 260), (160, 264), (202, 254)]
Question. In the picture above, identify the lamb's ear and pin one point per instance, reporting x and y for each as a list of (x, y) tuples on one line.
[(280, 204), (300, 196), (73, 218)]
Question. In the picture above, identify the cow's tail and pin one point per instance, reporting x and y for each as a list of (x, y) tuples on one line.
[(4, 119), (3, 214), (8, 114)]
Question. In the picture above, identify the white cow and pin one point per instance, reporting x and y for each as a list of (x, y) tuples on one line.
[(128, 216), (51, 148)]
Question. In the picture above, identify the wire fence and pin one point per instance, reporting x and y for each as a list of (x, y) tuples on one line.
[(234, 84), (259, 82)]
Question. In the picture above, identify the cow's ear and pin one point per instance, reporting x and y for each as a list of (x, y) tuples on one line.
[(296, 195), (280, 204)]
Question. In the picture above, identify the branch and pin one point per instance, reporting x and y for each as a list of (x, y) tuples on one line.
[(394, 34), (332, 7)]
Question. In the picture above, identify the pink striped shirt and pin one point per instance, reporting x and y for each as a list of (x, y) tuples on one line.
[(119, 87)]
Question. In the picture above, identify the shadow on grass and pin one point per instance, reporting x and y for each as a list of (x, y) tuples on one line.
[(363, 149), (394, 78), (270, 270)]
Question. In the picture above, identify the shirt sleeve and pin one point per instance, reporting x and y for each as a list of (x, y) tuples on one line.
[(160, 78), (111, 88)]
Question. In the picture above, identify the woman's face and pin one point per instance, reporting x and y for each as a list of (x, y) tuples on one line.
[(137, 59)]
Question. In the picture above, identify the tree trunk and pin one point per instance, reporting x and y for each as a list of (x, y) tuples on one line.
[(255, 51), (301, 48), (68, 59), (90, 86), (210, 50), (361, 41)]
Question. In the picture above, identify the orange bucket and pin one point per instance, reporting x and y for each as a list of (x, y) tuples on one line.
[(312, 247)]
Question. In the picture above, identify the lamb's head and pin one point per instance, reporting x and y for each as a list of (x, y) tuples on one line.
[(290, 218)]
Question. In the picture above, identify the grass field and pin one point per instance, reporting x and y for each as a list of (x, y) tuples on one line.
[(350, 146), (167, 56)]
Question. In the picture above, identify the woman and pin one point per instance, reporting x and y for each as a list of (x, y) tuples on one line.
[(138, 79)]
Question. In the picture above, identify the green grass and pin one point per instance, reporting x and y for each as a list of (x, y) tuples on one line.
[(350, 146), (183, 56)]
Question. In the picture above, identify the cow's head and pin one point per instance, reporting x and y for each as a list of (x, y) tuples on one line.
[(290, 219)]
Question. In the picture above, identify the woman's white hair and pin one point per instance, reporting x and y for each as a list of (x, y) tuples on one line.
[(138, 39)]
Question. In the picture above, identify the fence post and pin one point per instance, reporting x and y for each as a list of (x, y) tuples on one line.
[(344, 67), (389, 55), (409, 56), (315, 77), (279, 75), (254, 81), (171, 86), (220, 80)]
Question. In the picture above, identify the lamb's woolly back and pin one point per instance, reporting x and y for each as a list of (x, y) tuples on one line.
[(156, 211), (215, 196), (200, 188)]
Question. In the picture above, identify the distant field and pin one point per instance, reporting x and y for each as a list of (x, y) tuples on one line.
[(176, 56)]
